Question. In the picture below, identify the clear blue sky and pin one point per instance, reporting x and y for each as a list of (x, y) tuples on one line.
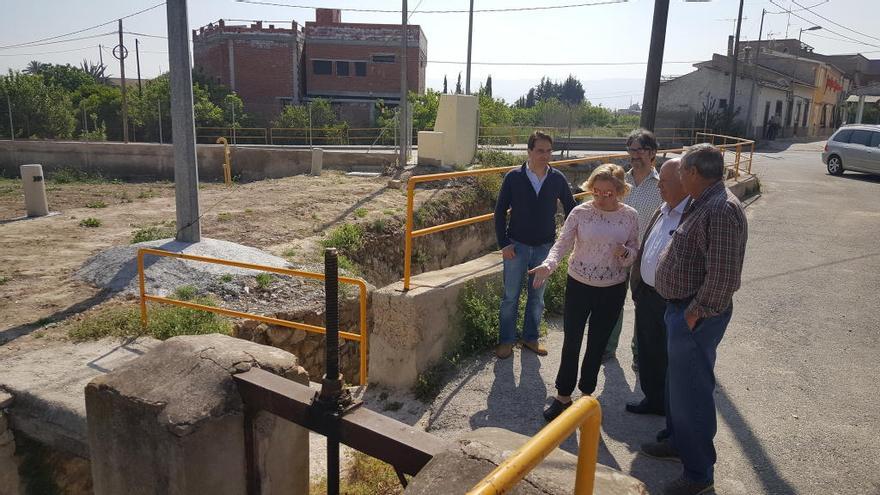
[(589, 34)]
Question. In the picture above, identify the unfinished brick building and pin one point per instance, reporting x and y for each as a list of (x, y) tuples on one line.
[(354, 65), (351, 64), (262, 64)]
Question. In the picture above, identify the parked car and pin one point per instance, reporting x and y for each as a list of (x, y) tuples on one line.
[(853, 147)]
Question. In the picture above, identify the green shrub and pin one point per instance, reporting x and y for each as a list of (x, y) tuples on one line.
[(226, 278), (185, 292), (90, 222), (69, 175), (4, 279), (224, 217), (361, 212), (263, 280), (347, 237), (165, 321), (344, 263), (498, 158), (154, 232)]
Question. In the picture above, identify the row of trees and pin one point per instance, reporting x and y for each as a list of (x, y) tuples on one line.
[(62, 102)]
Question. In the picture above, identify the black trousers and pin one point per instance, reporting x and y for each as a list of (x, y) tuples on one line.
[(601, 306), (651, 340)]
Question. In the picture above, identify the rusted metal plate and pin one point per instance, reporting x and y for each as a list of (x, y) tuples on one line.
[(386, 439)]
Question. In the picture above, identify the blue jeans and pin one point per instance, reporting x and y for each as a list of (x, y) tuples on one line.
[(527, 257), (690, 388)]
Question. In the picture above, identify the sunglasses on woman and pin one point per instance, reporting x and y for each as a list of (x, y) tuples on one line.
[(602, 194)]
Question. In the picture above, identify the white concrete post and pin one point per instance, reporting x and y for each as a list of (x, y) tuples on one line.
[(317, 161), (183, 130), (34, 186)]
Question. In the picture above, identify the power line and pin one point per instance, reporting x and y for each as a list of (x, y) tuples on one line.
[(825, 28), (146, 35), (832, 38), (82, 30), (72, 39), (556, 63), (511, 9), (832, 22), (46, 53)]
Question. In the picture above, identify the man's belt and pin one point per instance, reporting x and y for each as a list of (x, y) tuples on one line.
[(682, 301)]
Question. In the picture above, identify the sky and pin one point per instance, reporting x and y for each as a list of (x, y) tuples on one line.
[(577, 40)]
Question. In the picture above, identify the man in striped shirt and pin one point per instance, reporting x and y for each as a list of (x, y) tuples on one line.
[(697, 274)]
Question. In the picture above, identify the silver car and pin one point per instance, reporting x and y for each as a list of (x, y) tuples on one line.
[(853, 147)]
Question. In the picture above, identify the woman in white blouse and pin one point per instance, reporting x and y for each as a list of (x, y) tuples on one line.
[(603, 234)]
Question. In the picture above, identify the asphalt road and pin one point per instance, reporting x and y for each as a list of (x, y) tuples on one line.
[(798, 383)]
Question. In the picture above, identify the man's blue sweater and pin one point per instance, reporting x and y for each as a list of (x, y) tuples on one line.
[(532, 216)]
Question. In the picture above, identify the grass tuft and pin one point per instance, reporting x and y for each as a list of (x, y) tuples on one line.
[(366, 476), (154, 232), (90, 222)]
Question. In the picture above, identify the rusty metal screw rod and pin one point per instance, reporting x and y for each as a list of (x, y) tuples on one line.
[(331, 387)]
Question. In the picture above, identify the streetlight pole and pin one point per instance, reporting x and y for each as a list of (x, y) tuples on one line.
[(752, 95), (467, 79), (733, 69), (813, 28), (655, 64)]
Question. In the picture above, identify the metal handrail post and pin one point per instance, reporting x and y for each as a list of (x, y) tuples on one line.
[(738, 154)]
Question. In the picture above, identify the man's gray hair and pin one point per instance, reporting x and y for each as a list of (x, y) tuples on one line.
[(707, 159)]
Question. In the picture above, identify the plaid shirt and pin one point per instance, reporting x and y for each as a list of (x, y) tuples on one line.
[(705, 256), (645, 198)]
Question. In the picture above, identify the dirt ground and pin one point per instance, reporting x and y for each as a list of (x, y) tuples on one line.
[(286, 217)]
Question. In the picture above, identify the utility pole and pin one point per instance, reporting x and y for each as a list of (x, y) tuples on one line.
[(404, 128), (183, 129), (733, 68), (121, 56), (655, 64), (752, 95), (467, 79), (101, 54), (9, 108), (159, 111), (137, 57)]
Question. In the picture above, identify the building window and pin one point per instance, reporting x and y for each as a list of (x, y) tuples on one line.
[(384, 59), (322, 67), (360, 69), (341, 68)]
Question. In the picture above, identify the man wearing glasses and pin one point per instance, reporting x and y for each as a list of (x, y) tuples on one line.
[(645, 197), (531, 193)]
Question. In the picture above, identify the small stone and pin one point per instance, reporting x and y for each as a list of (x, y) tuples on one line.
[(395, 184), (247, 290)]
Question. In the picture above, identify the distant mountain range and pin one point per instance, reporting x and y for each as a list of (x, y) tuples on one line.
[(610, 93)]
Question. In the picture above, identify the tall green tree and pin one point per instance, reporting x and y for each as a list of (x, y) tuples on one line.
[(38, 110), (488, 87)]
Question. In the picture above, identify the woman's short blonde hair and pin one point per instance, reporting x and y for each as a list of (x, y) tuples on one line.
[(611, 173)]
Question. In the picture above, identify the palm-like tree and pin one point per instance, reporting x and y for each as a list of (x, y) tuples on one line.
[(35, 67), (97, 71)]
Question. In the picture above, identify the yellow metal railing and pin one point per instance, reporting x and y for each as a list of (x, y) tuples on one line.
[(361, 339), (586, 414), (733, 143)]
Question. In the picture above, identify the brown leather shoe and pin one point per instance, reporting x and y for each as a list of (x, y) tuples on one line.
[(535, 347), (503, 351)]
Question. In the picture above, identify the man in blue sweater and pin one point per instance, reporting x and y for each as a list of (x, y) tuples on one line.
[(531, 193)]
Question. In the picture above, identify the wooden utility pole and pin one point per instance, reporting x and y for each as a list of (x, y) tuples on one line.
[(137, 57), (655, 64), (467, 79), (121, 56)]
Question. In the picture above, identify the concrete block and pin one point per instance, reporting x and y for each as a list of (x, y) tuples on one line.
[(431, 147), (458, 119), (746, 187), (171, 422), (317, 161), (477, 453), (412, 329)]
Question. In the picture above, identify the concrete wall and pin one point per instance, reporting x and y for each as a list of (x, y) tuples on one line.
[(148, 161)]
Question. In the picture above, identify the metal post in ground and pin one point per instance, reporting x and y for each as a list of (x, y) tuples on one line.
[(655, 64), (159, 111), (121, 54)]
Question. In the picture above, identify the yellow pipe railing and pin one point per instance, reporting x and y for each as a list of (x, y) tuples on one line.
[(361, 339), (586, 414), (227, 164)]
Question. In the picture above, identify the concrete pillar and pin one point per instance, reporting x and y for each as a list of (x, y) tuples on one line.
[(186, 172), (34, 186), (171, 422), (317, 161), (231, 49), (861, 109)]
